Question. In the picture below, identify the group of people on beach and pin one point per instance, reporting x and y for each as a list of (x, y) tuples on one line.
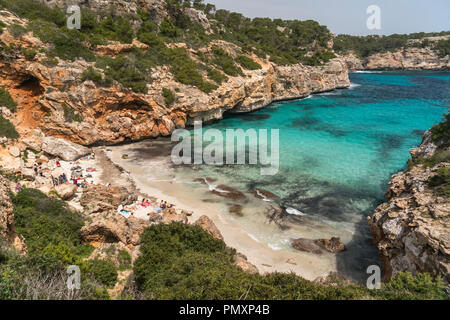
[(162, 206)]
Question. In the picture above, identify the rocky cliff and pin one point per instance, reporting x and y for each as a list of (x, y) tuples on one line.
[(412, 229), (60, 102)]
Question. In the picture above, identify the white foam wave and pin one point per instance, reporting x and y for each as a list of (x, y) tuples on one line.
[(295, 212)]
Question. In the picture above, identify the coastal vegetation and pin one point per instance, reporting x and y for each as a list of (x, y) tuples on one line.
[(6, 100), (368, 45), (7, 129), (51, 231), (177, 261), (283, 41), (180, 261)]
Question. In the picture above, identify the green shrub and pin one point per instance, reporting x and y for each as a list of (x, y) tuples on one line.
[(29, 53), (441, 132), (216, 76), (70, 115), (168, 95), (248, 63), (33, 10), (404, 286), (105, 272), (7, 129), (441, 181), (180, 261), (124, 259), (167, 29), (225, 62), (91, 74), (16, 30), (6, 100), (45, 221), (50, 62)]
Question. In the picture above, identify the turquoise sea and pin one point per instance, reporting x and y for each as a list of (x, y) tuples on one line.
[(339, 149)]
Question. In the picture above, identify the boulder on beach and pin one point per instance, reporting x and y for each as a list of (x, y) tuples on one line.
[(66, 191), (63, 149), (209, 226), (236, 209), (99, 198)]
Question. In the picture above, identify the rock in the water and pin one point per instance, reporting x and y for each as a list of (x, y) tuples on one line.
[(333, 245), (63, 149), (306, 245), (209, 226)]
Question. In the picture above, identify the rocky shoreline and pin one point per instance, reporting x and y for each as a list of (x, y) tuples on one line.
[(411, 229)]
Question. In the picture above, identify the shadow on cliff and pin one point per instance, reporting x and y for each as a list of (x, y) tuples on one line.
[(360, 253)]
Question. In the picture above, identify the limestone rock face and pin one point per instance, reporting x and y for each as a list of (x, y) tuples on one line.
[(412, 229), (112, 228), (115, 114), (63, 149), (7, 228), (409, 58), (208, 225)]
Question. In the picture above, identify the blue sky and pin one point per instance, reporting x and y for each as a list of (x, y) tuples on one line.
[(349, 16)]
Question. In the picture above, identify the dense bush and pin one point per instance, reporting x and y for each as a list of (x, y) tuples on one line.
[(168, 95), (443, 47), (441, 181), (248, 63), (366, 46), (43, 220), (105, 272), (6, 100), (441, 132), (7, 129), (216, 76), (51, 231), (179, 261), (225, 62)]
